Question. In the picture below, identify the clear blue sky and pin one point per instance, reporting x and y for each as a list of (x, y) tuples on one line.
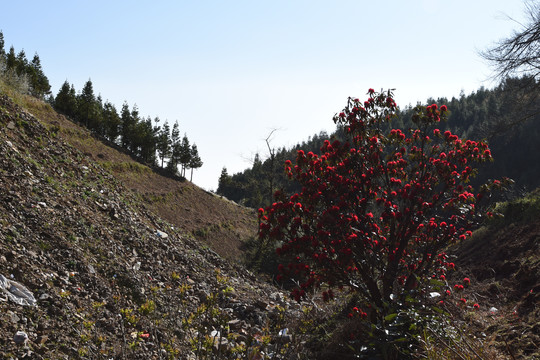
[(232, 71)]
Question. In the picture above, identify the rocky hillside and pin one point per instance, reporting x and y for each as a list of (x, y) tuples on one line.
[(101, 257), (88, 271), (222, 225)]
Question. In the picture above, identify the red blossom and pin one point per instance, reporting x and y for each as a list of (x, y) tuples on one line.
[(373, 206)]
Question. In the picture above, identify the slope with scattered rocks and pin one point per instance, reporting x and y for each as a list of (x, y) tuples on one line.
[(111, 279), (224, 226)]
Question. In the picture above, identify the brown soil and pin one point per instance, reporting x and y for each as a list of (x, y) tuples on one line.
[(221, 224)]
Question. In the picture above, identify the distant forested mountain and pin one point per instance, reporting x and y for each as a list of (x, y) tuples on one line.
[(254, 187), (507, 116)]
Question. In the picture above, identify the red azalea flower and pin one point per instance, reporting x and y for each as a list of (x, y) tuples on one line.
[(476, 306), (363, 315), (467, 281)]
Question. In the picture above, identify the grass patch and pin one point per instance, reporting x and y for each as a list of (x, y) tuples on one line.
[(517, 211), (126, 167)]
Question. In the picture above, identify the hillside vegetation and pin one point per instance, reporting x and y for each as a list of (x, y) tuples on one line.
[(507, 116), (221, 224), (102, 256), (111, 278)]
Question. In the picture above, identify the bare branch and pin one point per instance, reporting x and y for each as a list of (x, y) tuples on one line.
[(518, 54)]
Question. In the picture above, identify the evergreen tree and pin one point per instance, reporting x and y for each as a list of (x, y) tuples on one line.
[(175, 149), (40, 83), (2, 49), (86, 106), (164, 142), (21, 63), (185, 154), (66, 100), (111, 121), (127, 127), (195, 162), (146, 141), (72, 102), (98, 124), (11, 60), (224, 182)]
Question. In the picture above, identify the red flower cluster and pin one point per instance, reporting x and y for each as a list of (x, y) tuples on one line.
[(358, 312), (376, 211)]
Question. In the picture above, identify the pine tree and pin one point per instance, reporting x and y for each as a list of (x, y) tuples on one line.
[(111, 121), (185, 154), (40, 83), (164, 142), (86, 106), (72, 109), (146, 141), (21, 63), (97, 117), (195, 162), (66, 100), (224, 182), (2, 43), (175, 149), (127, 127), (11, 60)]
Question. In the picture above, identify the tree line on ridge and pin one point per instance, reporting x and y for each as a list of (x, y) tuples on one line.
[(507, 116), (142, 137)]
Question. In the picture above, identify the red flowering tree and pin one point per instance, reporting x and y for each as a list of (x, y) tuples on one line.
[(376, 212)]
